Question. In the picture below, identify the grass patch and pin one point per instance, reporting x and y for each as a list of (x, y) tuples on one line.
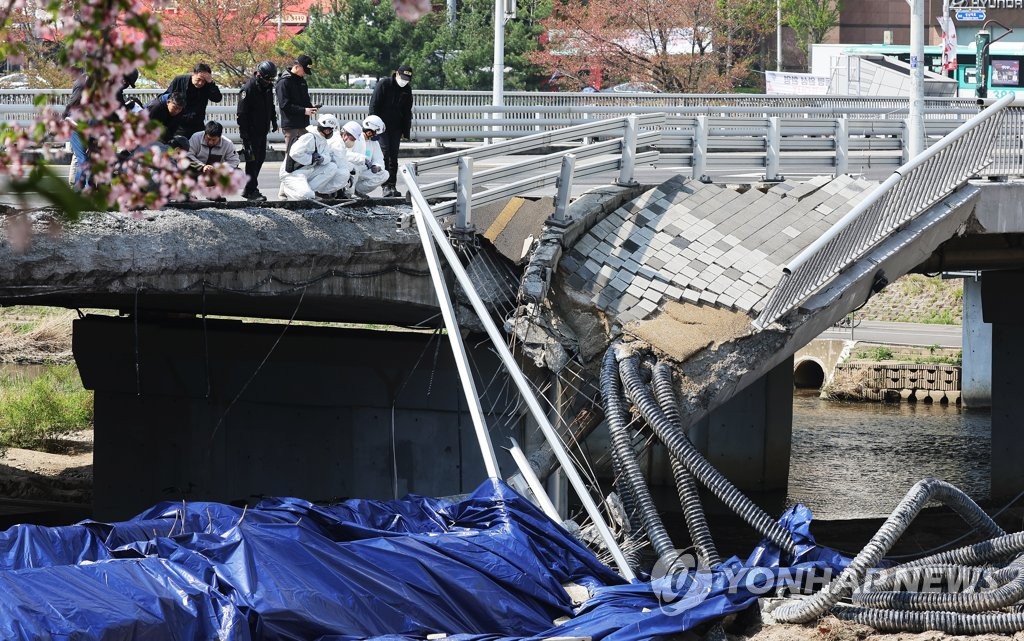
[(880, 353), (35, 413), (940, 317)]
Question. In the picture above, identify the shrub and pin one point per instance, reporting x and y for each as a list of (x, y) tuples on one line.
[(35, 413), (880, 353)]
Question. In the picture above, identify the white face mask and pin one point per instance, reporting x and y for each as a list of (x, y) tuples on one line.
[(350, 142), (401, 81)]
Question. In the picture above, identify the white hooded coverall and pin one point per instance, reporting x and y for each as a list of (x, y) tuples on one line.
[(305, 182), (366, 181)]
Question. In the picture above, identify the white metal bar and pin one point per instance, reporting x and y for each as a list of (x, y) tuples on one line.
[(444, 301), (533, 482), (464, 194), (427, 222)]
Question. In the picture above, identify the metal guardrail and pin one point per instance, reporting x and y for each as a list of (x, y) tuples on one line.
[(911, 190), (616, 152), (730, 137), (467, 115)]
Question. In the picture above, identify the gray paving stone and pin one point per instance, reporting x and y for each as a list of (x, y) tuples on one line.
[(708, 297), (680, 243), (724, 300), (691, 295), (673, 292)]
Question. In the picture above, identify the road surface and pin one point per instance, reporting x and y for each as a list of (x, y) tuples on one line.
[(922, 334)]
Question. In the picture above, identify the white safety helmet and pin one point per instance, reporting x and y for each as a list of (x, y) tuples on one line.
[(374, 124), (353, 129), (327, 121)]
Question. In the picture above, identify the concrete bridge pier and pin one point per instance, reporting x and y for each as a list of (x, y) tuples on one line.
[(230, 411), (976, 377), (1003, 307), (749, 438)]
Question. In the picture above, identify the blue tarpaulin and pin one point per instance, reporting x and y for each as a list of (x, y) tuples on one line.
[(486, 568)]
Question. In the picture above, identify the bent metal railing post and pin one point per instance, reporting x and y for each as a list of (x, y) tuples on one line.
[(427, 223), (564, 192), (909, 191)]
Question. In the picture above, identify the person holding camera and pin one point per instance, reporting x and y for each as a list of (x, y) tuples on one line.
[(293, 100), (256, 118)]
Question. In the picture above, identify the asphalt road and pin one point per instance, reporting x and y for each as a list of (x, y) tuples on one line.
[(900, 334)]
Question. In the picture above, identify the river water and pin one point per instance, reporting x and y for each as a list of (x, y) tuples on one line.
[(857, 460)]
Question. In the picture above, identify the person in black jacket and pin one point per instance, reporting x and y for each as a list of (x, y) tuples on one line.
[(293, 100), (199, 89), (168, 111), (392, 102), (256, 116)]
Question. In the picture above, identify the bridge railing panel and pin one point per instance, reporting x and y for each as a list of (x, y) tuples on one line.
[(617, 140), (911, 190)]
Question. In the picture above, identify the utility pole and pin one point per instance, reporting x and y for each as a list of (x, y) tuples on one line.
[(499, 53), (916, 120), (778, 35)]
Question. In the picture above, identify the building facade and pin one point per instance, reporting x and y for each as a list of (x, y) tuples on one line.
[(888, 21)]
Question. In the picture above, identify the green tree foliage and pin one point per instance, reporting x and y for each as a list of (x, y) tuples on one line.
[(358, 37), (811, 20), (749, 25), (460, 56)]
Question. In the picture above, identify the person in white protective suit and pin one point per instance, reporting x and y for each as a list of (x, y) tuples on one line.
[(371, 174), (311, 167)]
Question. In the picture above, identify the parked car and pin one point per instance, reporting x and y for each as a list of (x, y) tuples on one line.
[(23, 81), (362, 82), (634, 87)]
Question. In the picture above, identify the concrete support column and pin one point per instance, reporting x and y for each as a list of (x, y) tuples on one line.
[(976, 371), (749, 439), (1004, 309)]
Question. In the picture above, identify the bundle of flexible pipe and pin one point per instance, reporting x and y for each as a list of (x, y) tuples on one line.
[(679, 447), (629, 478), (967, 610)]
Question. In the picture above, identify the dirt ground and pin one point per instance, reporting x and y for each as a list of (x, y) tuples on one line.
[(64, 477)]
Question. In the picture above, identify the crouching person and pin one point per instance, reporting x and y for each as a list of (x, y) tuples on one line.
[(370, 172), (310, 167), (209, 147)]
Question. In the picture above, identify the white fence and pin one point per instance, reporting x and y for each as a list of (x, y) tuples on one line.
[(717, 136)]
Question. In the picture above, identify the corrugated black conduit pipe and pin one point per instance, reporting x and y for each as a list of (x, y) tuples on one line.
[(680, 447), (615, 410), (686, 485), (842, 587), (1005, 587), (631, 476)]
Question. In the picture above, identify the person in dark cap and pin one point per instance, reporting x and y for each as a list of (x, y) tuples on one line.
[(293, 100), (392, 102)]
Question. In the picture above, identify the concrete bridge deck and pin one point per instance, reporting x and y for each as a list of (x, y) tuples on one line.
[(682, 267)]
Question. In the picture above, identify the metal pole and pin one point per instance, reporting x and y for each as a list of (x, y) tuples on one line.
[(916, 142), (425, 220), (778, 35), (499, 53), (543, 500), (444, 301)]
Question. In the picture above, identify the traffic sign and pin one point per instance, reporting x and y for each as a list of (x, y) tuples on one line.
[(970, 16)]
